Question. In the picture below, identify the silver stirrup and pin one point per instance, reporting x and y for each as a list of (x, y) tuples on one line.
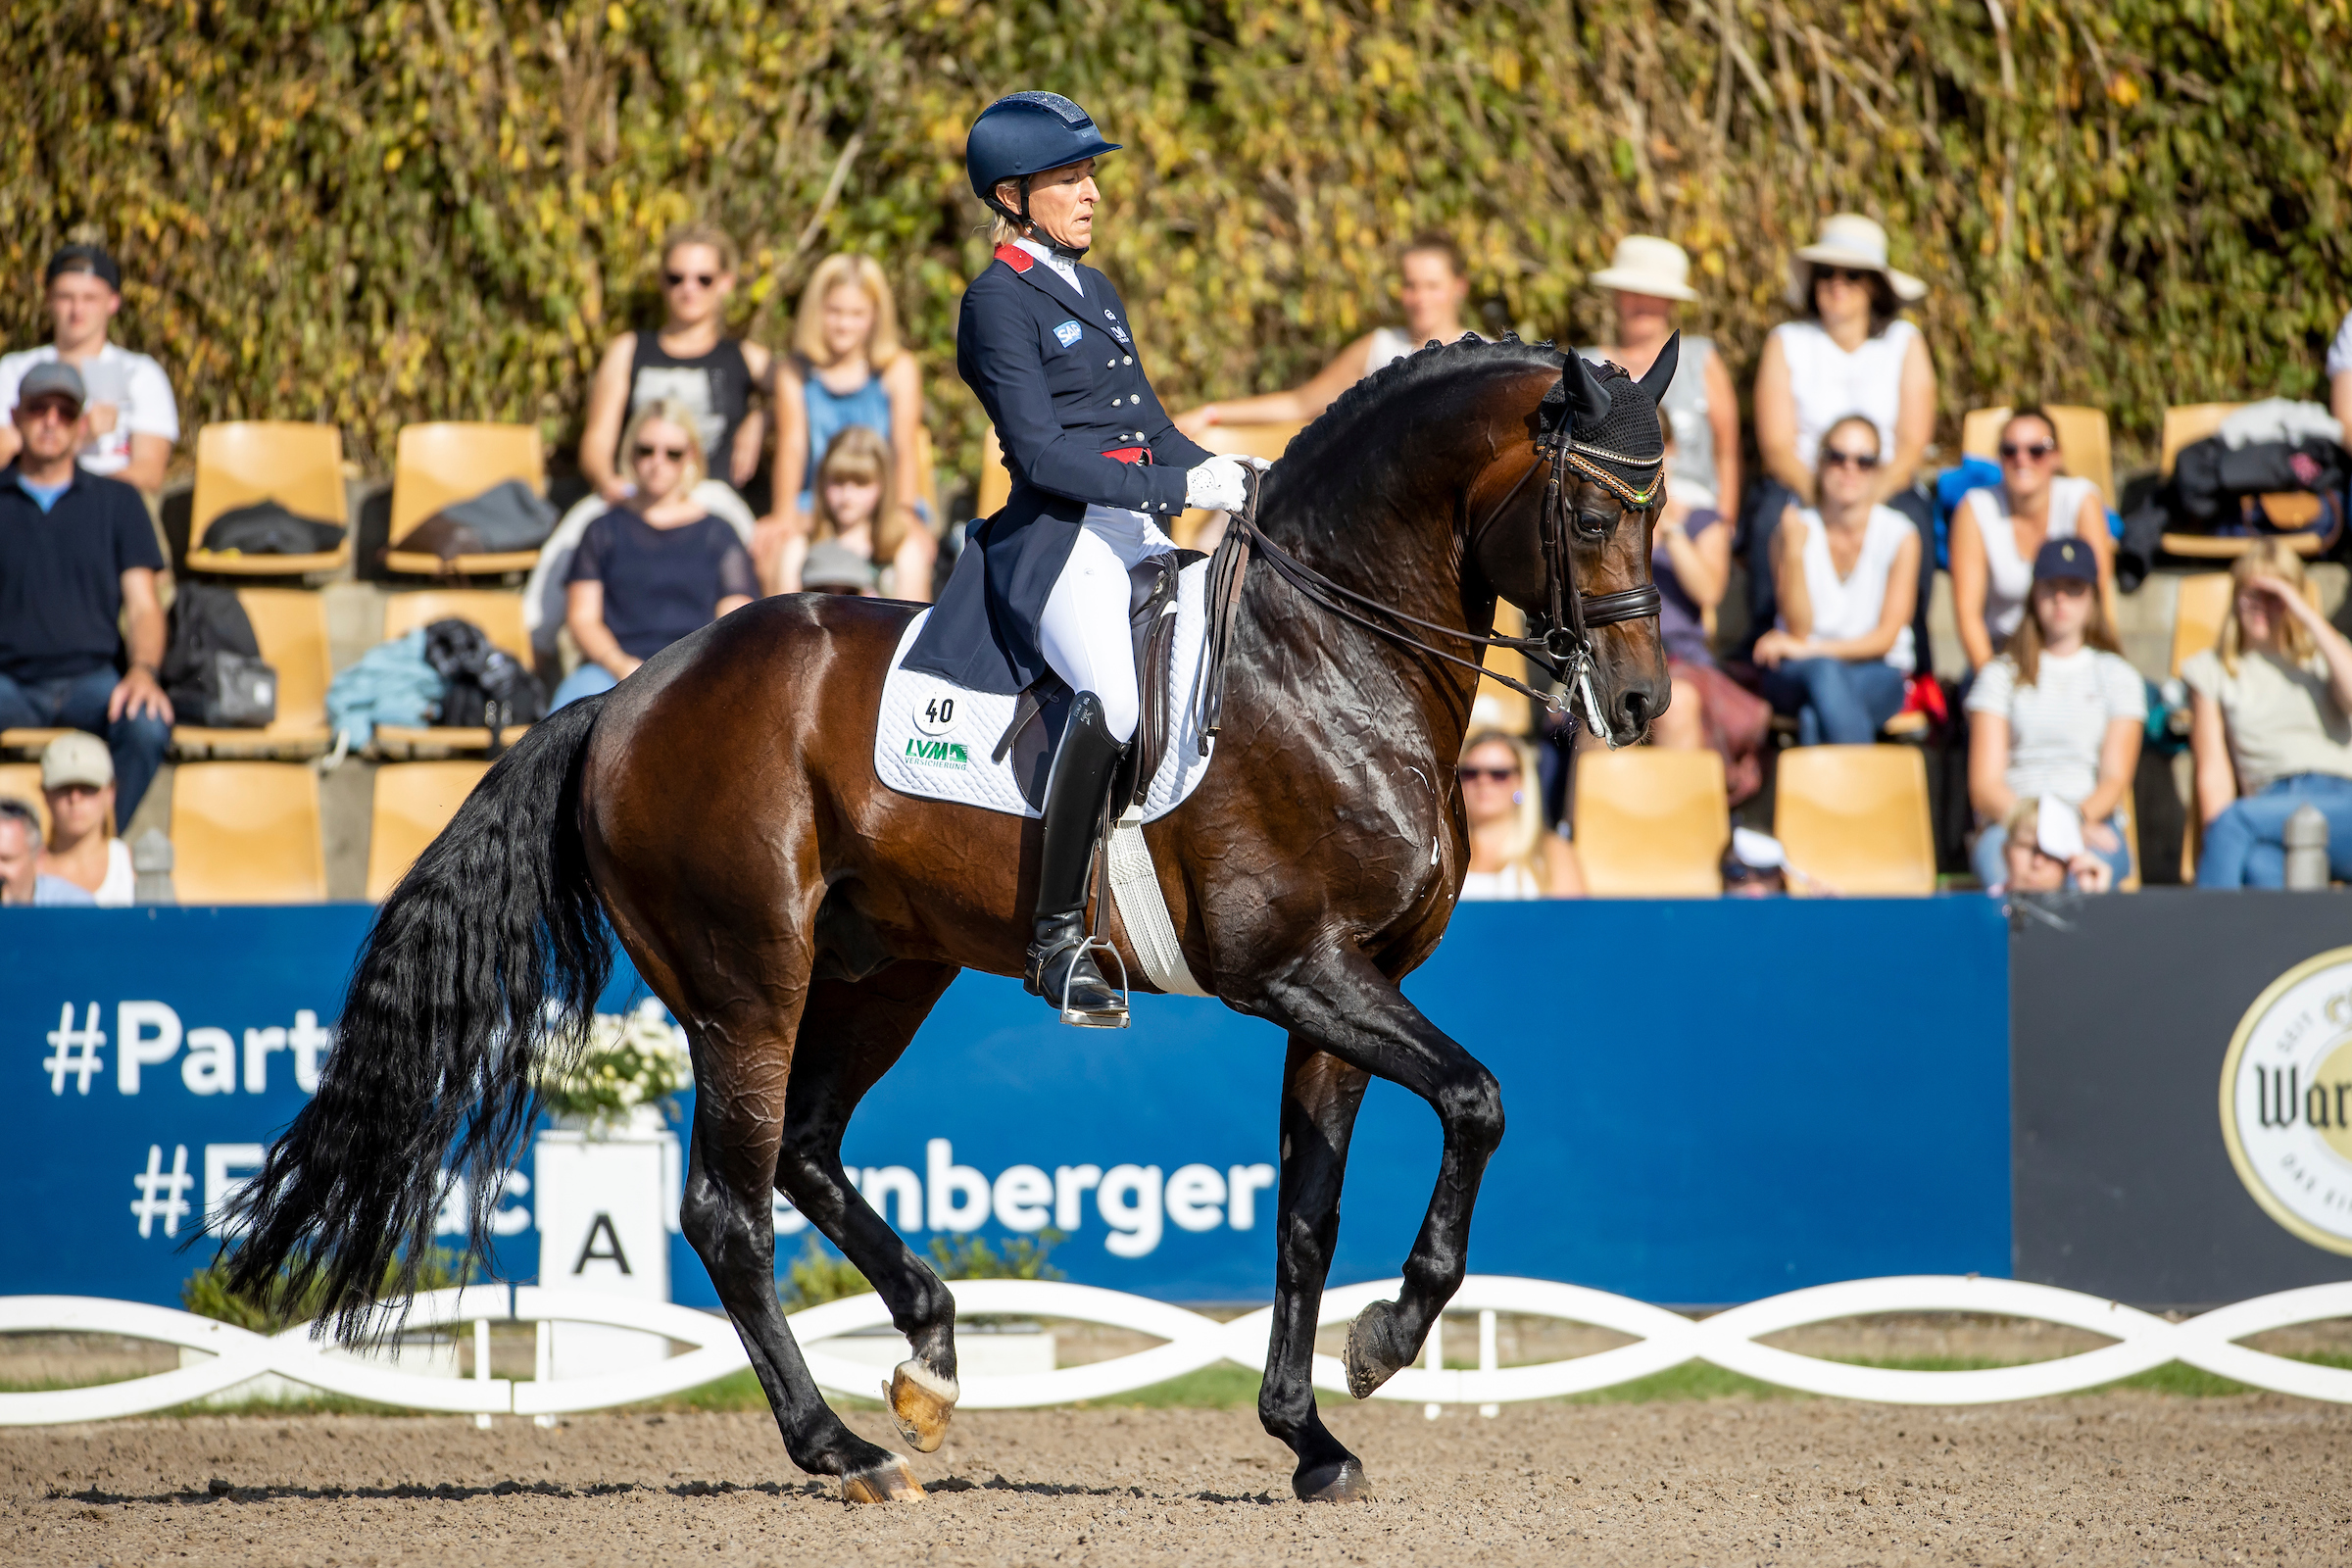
[(1096, 1021)]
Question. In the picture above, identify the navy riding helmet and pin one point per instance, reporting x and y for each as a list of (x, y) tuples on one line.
[(1027, 134)]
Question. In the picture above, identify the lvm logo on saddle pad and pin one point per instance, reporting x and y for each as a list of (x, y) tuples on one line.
[(935, 739)]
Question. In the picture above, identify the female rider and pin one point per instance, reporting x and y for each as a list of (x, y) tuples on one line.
[(1097, 470)]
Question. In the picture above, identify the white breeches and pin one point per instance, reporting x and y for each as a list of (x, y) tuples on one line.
[(1083, 631)]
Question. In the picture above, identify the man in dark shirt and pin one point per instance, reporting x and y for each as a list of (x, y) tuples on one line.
[(76, 550)]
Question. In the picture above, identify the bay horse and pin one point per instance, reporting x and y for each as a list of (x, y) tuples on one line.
[(720, 811)]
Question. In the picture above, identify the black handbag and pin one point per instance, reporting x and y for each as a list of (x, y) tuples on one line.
[(212, 670), (234, 691)]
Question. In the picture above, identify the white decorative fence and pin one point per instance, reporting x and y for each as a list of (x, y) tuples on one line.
[(1662, 1340)]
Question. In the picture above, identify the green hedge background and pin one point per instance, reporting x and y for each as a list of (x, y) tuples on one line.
[(380, 212)]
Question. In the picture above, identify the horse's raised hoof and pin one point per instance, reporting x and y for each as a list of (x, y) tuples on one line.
[(921, 1401), (1376, 1348), (1333, 1480), (889, 1481)]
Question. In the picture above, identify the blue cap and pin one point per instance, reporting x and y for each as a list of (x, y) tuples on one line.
[(2060, 559), (1027, 134)]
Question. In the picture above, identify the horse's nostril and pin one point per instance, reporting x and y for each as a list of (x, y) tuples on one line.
[(1637, 709)]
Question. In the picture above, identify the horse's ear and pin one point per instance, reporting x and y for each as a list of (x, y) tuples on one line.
[(1662, 370), (1587, 400)]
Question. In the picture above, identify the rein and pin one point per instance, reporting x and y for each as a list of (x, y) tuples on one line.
[(1563, 648)]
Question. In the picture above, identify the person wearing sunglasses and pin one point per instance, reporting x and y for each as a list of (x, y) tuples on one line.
[(1845, 576), (2059, 715), (1998, 532), (2270, 725), (1512, 856), (1849, 352), (690, 361), (653, 568)]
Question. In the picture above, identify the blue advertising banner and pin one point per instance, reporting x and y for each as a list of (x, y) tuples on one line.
[(1708, 1102)]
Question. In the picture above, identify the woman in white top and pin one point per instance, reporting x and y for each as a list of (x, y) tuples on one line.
[(1433, 287), (1849, 353), (2059, 715), (1845, 573), (2272, 726), (1646, 279), (1998, 531), (1512, 856)]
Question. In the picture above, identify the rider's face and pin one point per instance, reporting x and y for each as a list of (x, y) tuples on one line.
[(1061, 203)]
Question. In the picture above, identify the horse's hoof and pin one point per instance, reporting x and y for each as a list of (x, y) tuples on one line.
[(1376, 1348), (921, 1401), (1339, 1480), (889, 1481)]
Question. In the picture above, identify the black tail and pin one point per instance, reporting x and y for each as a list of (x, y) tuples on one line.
[(489, 955)]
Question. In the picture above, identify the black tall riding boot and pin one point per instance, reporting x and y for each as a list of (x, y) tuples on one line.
[(1060, 968)]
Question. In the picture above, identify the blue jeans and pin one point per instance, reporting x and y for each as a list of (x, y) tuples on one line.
[(586, 681), (1992, 868), (2245, 846), (78, 701), (1835, 702)]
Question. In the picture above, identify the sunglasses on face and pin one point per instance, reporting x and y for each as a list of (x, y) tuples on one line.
[(1487, 776), (2011, 451), (1840, 275), (51, 408), (673, 454), (681, 279), (1834, 458)]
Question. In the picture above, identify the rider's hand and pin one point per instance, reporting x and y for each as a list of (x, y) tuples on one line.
[(1262, 464), (1221, 485)]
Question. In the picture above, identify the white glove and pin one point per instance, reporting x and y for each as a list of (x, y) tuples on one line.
[(1221, 485), (1262, 464)]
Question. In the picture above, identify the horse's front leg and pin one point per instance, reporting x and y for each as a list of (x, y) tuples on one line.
[(1321, 1095), (1348, 1007)]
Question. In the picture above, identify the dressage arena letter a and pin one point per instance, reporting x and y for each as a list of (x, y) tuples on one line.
[(602, 1226)]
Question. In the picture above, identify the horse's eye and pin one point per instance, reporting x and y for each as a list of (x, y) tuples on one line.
[(1596, 524)]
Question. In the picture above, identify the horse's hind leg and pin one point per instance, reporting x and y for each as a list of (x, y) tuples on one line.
[(1321, 1095), (851, 1032), (742, 1058)]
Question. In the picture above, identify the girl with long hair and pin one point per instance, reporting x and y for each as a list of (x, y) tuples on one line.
[(1512, 854), (854, 501)]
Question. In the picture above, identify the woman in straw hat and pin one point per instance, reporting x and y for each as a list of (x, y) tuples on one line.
[(1646, 279), (1849, 353)]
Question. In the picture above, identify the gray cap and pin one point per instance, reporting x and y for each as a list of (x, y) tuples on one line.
[(53, 379), (834, 566)]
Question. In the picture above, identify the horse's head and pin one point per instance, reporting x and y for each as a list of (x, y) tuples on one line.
[(1575, 553)]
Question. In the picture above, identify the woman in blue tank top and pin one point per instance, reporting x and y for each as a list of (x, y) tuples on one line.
[(847, 368)]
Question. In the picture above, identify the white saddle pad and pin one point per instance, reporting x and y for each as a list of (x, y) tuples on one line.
[(935, 739)]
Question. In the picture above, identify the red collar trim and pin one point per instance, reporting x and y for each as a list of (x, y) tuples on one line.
[(1013, 256)]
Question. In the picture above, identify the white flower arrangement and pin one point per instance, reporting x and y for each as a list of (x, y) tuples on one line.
[(631, 1059)]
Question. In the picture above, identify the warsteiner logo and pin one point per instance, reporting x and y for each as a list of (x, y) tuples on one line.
[(2286, 1099), (937, 754)]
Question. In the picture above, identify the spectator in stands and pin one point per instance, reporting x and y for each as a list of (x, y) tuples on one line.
[(2058, 715), (1997, 535), (2270, 725), (1432, 285), (833, 567), (847, 369), (2042, 851), (1646, 279), (2339, 376), (654, 567), (691, 361), (853, 503), (77, 780), (1512, 856), (78, 568), (1690, 561), (1850, 353), (1845, 573), (130, 420), (22, 880)]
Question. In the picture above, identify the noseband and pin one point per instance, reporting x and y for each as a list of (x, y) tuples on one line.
[(1562, 644)]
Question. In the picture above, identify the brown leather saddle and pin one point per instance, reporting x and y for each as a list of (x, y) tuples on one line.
[(1038, 717)]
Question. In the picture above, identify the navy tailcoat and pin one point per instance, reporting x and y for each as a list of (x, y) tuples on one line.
[(1061, 383)]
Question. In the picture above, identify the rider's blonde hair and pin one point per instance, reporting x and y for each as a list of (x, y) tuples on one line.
[(1527, 832)]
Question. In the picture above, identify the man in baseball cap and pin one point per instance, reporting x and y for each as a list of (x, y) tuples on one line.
[(131, 420), (77, 780)]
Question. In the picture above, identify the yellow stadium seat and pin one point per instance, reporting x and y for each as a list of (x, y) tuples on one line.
[(289, 626), (22, 781), (436, 466), (2083, 448), (413, 803), (499, 614), (1854, 820), (29, 742), (1651, 823), (240, 461), (2191, 423), (246, 833)]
